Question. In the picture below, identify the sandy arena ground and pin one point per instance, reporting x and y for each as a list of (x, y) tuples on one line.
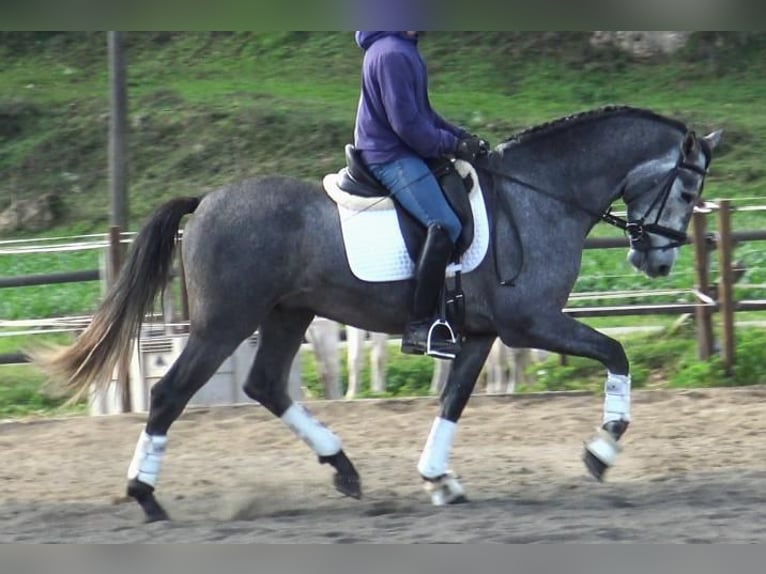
[(693, 470)]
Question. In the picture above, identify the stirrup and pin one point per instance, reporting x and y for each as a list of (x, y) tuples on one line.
[(448, 351)]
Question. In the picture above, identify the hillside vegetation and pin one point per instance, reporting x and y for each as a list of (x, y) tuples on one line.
[(208, 108)]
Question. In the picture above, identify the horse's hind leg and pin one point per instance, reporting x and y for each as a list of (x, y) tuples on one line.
[(280, 338), (194, 367)]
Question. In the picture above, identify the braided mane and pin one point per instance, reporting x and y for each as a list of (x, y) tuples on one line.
[(588, 116)]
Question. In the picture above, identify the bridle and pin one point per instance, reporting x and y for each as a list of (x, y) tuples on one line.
[(637, 230)]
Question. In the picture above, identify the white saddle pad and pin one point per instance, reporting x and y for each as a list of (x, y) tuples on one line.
[(374, 244)]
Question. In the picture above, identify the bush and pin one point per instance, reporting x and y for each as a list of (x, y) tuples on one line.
[(750, 368)]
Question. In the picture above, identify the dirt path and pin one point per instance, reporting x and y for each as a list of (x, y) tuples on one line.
[(693, 470)]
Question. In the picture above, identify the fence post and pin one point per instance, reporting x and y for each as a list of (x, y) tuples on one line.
[(123, 362), (702, 313), (726, 285)]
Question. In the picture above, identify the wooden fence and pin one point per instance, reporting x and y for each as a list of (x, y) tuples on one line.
[(710, 297)]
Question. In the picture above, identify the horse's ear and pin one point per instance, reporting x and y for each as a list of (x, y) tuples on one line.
[(714, 138), (690, 142)]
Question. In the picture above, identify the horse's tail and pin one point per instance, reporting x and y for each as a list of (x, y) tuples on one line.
[(91, 359)]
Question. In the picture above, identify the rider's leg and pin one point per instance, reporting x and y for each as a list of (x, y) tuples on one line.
[(429, 280), (413, 185)]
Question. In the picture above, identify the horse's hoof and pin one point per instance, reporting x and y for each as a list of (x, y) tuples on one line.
[(348, 485), (600, 453), (445, 490), (346, 479), (157, 515), (460, 499), (144, 495), (616, 428), (595, 467)]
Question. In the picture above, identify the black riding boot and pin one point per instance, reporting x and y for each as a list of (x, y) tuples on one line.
[(429, 280)]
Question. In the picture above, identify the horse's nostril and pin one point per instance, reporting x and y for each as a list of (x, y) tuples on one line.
[(664, 270)]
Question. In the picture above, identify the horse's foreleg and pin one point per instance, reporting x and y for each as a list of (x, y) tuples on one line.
[(562, 334), (194, 367), (433, 466), (602, 448), (280, 338)]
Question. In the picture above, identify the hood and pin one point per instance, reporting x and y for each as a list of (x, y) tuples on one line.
[(366, 39)]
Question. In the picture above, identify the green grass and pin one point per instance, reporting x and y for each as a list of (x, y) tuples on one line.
[(48, 300), (22, 394), (13, 344), (664, 359), (208, 108), (668, 359)]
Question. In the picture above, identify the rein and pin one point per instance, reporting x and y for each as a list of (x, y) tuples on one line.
[(636, 230)]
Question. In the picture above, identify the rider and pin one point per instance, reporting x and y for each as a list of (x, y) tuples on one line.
[(396, 131)]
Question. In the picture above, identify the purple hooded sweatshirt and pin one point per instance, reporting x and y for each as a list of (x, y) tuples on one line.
[(394, 118)]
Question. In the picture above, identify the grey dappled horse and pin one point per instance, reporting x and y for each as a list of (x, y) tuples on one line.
[(267, 254)]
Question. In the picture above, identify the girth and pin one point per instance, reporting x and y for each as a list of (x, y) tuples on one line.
[(356, 179)]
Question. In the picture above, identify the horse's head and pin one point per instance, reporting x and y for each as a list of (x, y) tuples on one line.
[(661, 196)]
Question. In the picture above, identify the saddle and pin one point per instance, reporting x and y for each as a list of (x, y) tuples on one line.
[(356, 179)]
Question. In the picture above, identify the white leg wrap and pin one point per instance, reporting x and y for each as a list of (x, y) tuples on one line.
[(147, 459), (617, 398), (321, 439), (435, 456), (604, 447), (445, 491)]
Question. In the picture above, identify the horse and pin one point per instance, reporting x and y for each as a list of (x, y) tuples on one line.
[(267, 254)]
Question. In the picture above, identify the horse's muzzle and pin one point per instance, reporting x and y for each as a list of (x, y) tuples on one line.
[(653, 263)]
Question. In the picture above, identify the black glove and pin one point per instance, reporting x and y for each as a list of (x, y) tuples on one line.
[(471, 147)]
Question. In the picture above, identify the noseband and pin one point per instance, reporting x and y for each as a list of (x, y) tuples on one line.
[(637, 230)]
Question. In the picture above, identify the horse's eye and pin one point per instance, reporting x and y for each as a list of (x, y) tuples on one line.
[(687, 197)]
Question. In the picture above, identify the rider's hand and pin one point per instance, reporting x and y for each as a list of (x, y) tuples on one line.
[(471, 147)]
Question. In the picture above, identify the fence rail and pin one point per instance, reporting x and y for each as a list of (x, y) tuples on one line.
[(706, 300), (50, 278)]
